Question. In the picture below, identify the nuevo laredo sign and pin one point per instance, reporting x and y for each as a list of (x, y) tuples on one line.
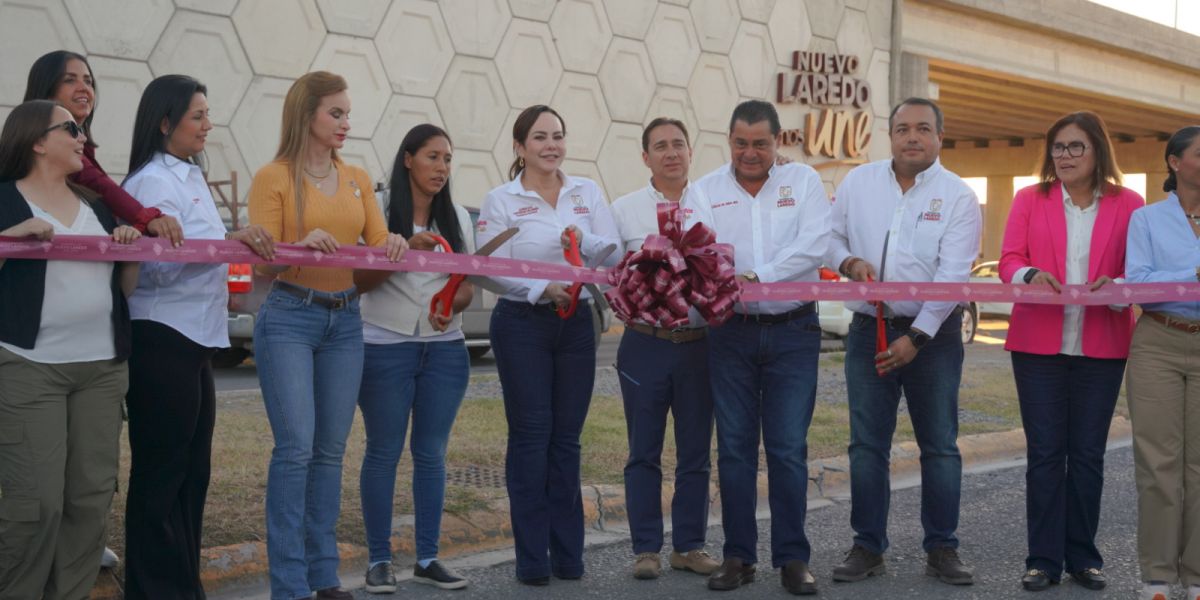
[(841, 127)]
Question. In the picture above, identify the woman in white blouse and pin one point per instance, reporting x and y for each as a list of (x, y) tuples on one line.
[(415, 362), (179, 321), (546, 363)]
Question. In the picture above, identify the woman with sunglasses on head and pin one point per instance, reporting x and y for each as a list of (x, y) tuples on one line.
[(66, 78), (546, 363), (1068, 361), (64, 339), (415, 361), (1164, 378), (179, 317), (308, 338)]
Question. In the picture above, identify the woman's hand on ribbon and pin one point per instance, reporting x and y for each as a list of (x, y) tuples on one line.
[(899, 353), (320, 240), (1044, 278), (167, 227), (1100, 282), (125, 234), (257, 239), (395, 246), (32, 227)]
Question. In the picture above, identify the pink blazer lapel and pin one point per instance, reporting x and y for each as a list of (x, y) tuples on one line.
[(1056, 224), (1106, 217)]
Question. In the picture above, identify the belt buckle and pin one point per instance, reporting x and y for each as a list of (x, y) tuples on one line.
[(1193, 328), (677, 336), (338, 303)]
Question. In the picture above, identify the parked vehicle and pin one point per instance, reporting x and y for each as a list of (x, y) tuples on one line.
[(989, 272), (835, 317)]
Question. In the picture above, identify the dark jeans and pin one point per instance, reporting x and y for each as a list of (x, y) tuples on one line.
[(658, 376), (930, 386), (764, 378), (172, 409), (547, 366), (1066, 407)]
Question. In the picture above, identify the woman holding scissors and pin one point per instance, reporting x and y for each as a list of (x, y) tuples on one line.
[(545, 354), (415, 361)]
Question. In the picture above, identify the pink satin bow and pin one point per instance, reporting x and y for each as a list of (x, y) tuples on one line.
[(675, 269)]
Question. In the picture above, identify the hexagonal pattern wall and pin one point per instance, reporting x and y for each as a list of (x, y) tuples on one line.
[(608, 66)]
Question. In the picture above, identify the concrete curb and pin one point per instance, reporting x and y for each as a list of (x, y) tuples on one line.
[(228, 567)]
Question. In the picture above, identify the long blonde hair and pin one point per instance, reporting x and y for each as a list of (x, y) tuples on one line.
[(299, 108)]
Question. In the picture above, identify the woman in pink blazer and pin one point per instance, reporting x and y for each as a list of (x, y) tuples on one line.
[(1069, 361)]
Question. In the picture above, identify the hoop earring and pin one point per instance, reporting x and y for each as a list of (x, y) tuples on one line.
[(520, 162)]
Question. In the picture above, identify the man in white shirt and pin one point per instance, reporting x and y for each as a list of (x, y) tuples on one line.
[(905, 219), (763, 361), (665, 370)]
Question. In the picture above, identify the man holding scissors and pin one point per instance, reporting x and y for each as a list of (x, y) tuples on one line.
[(905, 219)]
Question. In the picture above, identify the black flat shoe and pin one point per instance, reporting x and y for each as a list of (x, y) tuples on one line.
[(1036, 580), (1091, 578), (536, 581)]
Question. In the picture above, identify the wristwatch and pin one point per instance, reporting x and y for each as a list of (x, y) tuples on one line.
[(919, 339), (751, 276)]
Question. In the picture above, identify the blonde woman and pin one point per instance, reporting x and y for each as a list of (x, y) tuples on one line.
[(308, 335)]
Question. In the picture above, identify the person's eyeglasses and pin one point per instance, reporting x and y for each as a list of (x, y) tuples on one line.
[(71, 127), (1074, 150)]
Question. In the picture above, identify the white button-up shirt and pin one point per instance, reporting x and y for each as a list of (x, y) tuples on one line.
[(932, 232), (1080, 223), (636, 214), (189, 298), (580, 203), (781, 233)]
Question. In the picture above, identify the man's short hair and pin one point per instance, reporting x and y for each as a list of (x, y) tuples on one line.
[(659, 122), (754, 111), (915, 101)]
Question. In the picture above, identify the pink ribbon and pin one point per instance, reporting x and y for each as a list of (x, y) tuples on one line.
[(674, 270), (93, 248)]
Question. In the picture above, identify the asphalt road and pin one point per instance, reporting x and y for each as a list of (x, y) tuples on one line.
[(992, 530)]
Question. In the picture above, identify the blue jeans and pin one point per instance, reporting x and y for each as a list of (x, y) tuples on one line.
[(658, 376), (309, 365), (547, 366), (1066, 407), (428, 381), (764, 378), (930, 385)]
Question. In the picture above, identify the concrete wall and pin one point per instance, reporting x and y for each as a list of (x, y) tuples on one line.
[(469, 65)]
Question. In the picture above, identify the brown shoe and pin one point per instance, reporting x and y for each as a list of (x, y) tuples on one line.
[(945, 564), (334, 593), (859, 564), (797, 579), (647, 566), (696, 561), (732, 574)]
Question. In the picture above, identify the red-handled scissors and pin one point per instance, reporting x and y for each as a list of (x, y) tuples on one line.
[(881, 344), (443, 301), (574, 258)]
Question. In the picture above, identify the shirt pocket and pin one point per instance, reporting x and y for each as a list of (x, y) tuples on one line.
[(926, 240), (784, 223)]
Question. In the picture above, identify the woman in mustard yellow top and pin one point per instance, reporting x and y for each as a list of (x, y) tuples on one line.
[(308, 336)]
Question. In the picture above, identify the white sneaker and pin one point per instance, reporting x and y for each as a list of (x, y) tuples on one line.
[(1155, 591), (109, 560), (1193, 592)]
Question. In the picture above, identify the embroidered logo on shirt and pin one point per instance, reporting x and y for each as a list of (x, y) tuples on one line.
[(785, 197), (526, 211), (724, 204), (582, 210), (481, 225), (577, 200), (195, 201), (785, 191), (935, 211), (785, 202), (935, 205)]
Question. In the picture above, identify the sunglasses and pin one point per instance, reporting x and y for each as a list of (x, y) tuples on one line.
[(71, 127)]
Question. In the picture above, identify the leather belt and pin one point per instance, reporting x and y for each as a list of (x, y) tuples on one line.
[(765, 319), (902, 323), (1192, 327), (338, 301), (675, 336)]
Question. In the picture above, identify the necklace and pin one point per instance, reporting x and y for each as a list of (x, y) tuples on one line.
[(328, 172), (1195, 219)]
